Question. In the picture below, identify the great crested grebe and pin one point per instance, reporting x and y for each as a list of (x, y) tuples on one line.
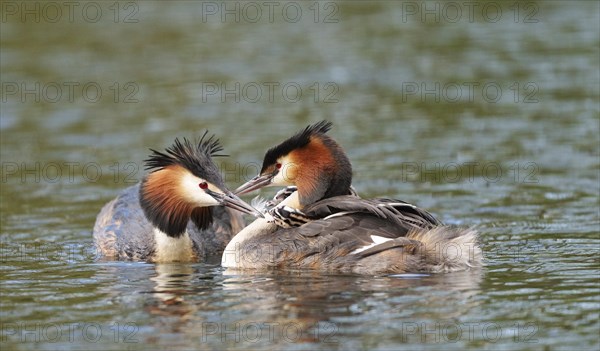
[(176, 212), (323, 225)]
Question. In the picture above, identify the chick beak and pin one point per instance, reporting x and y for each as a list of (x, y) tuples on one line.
[(230, 200), (255, 183)]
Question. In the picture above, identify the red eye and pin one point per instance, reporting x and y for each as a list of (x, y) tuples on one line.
[(203, 185), (278, 166)]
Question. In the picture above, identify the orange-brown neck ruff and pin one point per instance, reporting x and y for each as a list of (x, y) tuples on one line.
[(323, 170), (163, 200)]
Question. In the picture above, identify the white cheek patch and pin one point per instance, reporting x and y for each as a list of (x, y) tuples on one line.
[(280, 179), (192, 192), (376, 241), (286, 174)]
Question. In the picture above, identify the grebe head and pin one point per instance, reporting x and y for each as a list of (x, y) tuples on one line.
[(310, 160), (183, 184)]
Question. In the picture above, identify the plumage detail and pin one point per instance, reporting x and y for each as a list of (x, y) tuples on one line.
[(123, 232), (362, 242), (328, 227), (398, 212), (442, 249), (202, 217), (317, 164), (197, 158), (173, 214), (279, 197), (297, 141), (161, 195), (164, 206)]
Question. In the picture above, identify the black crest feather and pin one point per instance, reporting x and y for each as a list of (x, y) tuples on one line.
[(196, 157), (299, 140), (172, 217)]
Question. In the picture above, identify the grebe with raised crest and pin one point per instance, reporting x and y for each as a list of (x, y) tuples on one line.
[(323, 225), (180, 212)]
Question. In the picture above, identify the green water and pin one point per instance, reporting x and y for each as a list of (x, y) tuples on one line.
[(485, 113)]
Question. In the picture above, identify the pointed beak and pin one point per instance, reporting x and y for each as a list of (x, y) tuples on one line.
[(232, 201), (255, 183)]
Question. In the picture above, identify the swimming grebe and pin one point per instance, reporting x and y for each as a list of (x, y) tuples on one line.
[(324, 226), (176, 212)]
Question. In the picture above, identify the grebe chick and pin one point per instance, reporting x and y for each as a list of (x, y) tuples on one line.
[(327, 227), (181, 211)]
